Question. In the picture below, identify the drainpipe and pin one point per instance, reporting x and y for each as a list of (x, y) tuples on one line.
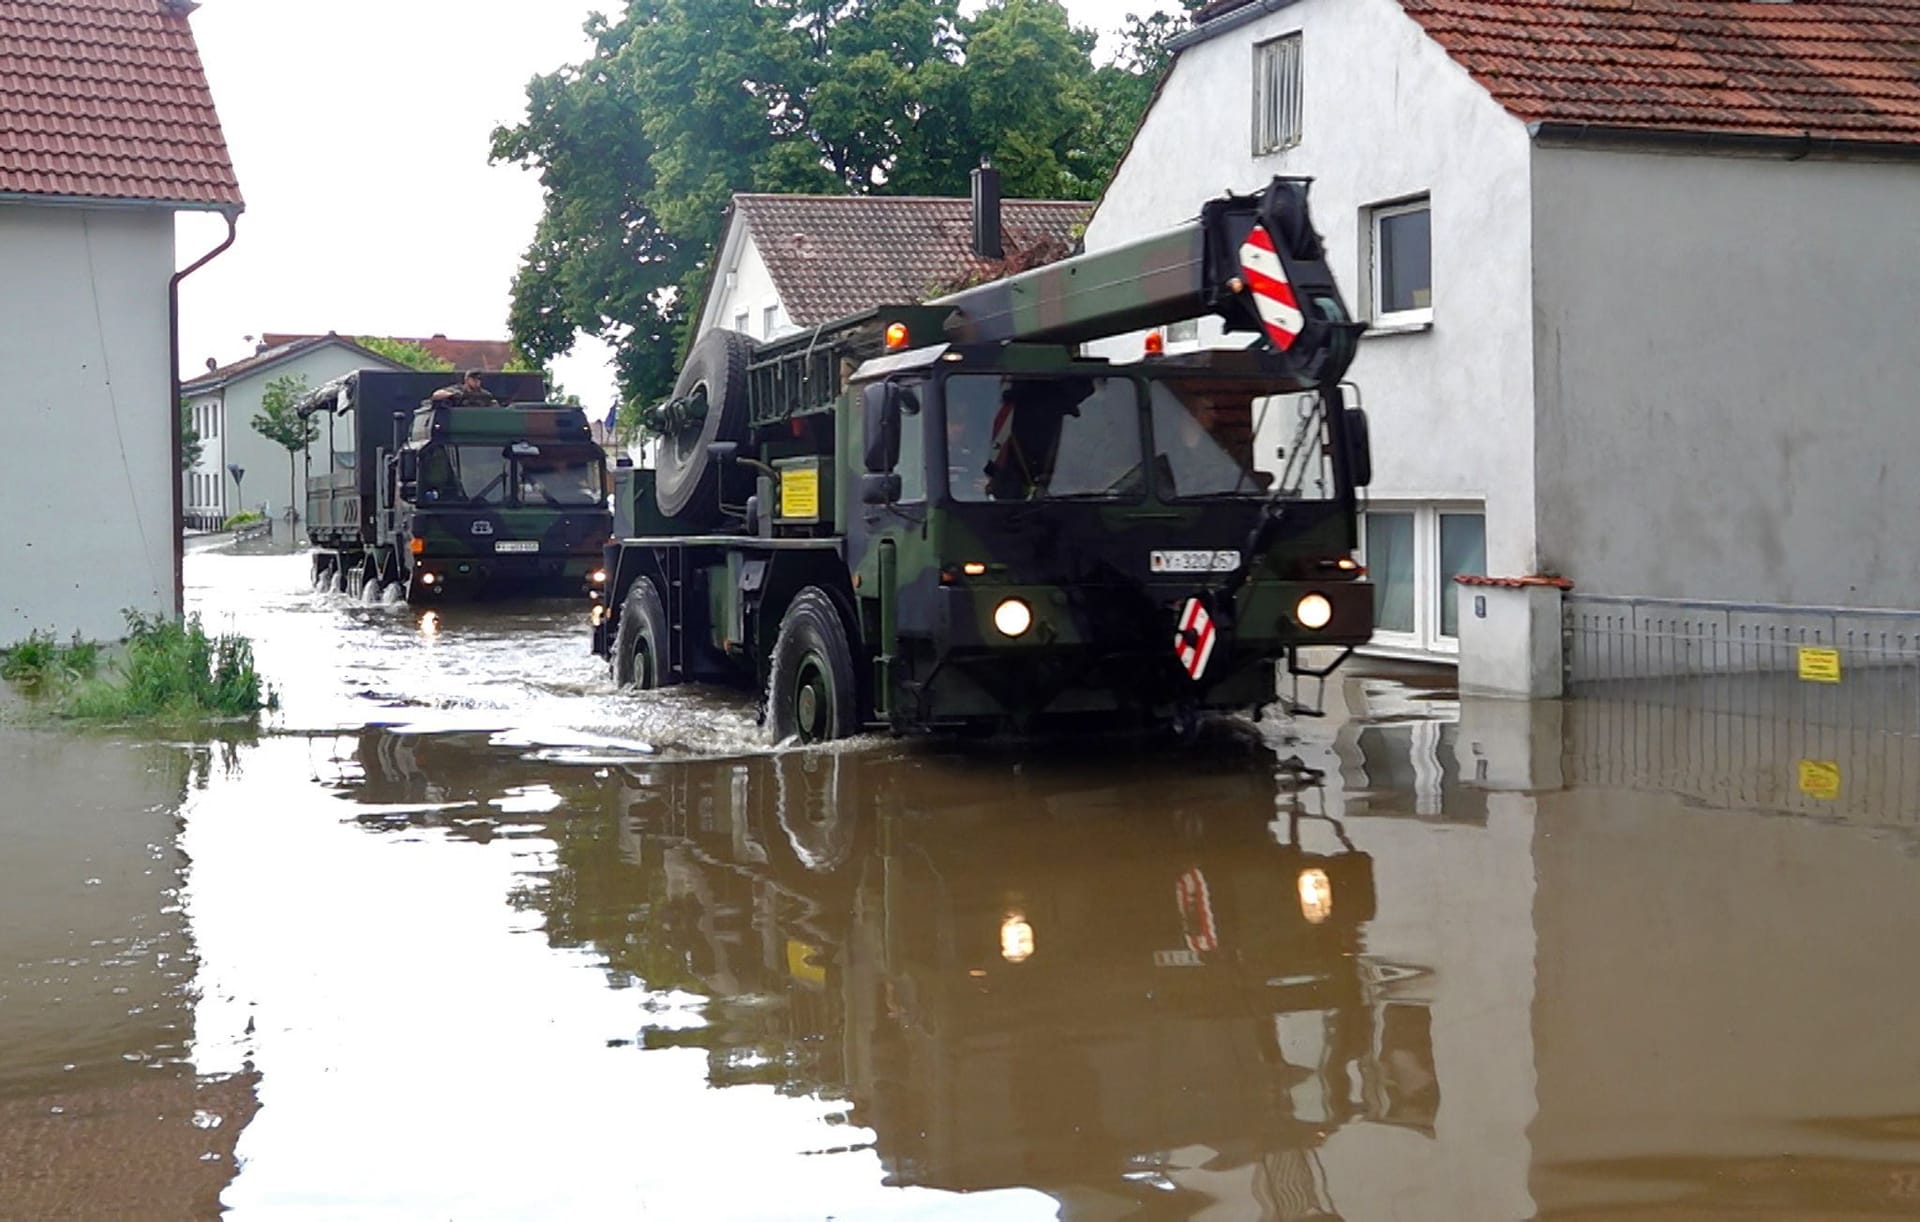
[(173, 402)]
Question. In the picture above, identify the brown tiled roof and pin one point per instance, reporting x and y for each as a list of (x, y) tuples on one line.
[(105, 99), (831, 256), (1824, 71), (491, 355), (274, 350)]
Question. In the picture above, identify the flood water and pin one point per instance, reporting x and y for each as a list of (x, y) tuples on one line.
[(461, 932)]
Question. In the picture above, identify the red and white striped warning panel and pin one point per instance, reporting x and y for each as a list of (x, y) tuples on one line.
[(1193, 643), (1196, 911), (1272, 292)]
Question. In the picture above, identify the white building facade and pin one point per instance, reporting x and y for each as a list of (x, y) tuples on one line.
[(1614, 353)]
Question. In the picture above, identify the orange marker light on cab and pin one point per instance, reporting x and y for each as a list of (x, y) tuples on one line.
[(896, 336), (1156, 343)]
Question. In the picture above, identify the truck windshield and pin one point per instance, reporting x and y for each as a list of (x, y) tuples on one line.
[(1025, 439), (560, 479), (1214, 438)]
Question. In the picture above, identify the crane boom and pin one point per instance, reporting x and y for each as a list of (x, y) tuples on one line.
[(1253, 260)]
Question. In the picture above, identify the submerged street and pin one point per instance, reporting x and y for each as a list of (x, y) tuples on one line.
[(463, 932)]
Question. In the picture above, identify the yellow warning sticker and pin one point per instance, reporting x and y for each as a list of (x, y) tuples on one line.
[(803, 962), (1819, 665), (1820, 779), (800, 493)]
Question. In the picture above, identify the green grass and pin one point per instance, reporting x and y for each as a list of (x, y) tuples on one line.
[(40, 662), (171, 671), (246, 517)]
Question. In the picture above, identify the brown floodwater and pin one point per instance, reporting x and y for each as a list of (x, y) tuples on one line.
[(462, 932)]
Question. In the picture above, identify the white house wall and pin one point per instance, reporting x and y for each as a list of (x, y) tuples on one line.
[(88, 527), (1386, 115), (264, 461), (1726, 376), (744, 286)]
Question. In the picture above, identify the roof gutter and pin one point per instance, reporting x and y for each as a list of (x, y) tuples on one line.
[(1733, 144), (109, 201), (1226, 22), (173, 402)]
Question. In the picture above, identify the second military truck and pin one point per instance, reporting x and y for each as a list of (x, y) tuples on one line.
[(943, 514), (449, 499)]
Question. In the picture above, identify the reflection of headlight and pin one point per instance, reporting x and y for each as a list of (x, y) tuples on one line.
[(1316, 895), (1016, 938), (1313, 611), (599, 577), (1012, 617), (597, 616), (430, 624)]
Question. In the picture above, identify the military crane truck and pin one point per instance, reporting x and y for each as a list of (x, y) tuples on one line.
[(940, 514), (449, 500)]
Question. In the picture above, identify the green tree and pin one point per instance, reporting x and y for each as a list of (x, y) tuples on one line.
[(401, 352), (279, 423), (192, 445), (684, 102)]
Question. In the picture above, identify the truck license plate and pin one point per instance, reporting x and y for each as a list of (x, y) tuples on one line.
[(517, 545), (1193, 562)]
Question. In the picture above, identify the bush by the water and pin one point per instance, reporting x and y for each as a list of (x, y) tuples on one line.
[(246, 517), (170, 671), (40, 661)]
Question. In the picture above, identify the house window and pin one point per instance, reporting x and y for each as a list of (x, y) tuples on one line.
[(1276, 95), (740, 322), (769, 319), (1401, 243), (1412, 554)]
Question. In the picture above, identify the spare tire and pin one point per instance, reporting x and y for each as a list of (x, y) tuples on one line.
[(689, 486)]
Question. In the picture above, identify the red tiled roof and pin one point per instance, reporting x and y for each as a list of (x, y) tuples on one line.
[(1826, 71), (491, 355), (106, 99), (832, 256)]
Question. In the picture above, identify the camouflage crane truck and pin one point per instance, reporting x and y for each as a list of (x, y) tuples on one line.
[(449, 500), (940, 514)]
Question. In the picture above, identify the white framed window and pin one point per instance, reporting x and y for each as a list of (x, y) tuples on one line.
[(769, 319), (1400, 251), (1276, 95), (740, 322), (1412, 553)]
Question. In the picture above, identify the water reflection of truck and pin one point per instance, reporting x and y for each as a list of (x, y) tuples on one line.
[(938, 514), (453, 501), (1000, 1005)]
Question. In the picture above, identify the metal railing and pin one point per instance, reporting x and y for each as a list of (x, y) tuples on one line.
[(1812, 709)]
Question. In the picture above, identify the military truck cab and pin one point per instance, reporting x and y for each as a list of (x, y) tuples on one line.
[(453, 501), (939, 515)]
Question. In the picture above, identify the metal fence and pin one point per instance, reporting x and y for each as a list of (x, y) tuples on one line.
[(1792, 708)]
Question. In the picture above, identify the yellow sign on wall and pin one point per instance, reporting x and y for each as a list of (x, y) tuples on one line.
[(800, 493), (1820, 779), (1819, 665)]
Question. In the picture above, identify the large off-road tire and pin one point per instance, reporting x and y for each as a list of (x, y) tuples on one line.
[(639, 644), (811, 693), (690, 485)]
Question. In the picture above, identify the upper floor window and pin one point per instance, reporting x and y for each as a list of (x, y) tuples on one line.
[(1401, 242), (1276, 95), (740, 322), (769, 320)]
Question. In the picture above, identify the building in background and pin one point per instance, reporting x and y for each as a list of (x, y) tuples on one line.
[(107, 129)]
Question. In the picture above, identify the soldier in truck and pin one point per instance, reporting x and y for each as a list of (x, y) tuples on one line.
[(467, 392)]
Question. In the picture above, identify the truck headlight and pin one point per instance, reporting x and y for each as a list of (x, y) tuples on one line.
[(1316, 895), (1016, 938), (1313, 611), (1012, 617)]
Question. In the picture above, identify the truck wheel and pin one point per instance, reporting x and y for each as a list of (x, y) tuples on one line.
[(640, 642), (811, 692), (687, 486)]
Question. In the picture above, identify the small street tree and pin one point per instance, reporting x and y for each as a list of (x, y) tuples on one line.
[(401, 352), (279, 423), (191, 443)]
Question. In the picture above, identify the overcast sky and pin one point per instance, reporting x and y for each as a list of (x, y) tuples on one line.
[(360, 132)]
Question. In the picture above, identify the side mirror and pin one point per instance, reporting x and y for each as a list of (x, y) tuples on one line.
[(409, 466), (880, 414), (879, 489), (1359, 447)]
